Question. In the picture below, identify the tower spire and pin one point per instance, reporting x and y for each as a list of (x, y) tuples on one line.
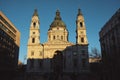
[(57, 17), (79, 12), (35, 13)]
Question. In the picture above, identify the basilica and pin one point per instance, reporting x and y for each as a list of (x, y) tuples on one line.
[(57, 54)]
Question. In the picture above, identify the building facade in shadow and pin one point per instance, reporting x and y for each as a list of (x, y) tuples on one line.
[(110, 47), (57, 54), (9, 47)]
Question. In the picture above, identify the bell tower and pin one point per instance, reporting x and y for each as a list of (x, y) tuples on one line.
[(35, 49), (81, 37), (34, 36)]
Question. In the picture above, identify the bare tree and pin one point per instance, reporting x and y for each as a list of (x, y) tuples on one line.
[(95, 53)]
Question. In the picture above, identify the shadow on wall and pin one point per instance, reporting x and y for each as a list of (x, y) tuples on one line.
[(77, 55)]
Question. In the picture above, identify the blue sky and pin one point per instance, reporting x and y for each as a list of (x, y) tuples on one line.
[(96, 14)]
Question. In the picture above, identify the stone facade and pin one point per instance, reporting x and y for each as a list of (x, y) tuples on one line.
[(57, 52)]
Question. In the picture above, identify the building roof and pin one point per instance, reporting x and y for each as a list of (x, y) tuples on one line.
[(57, 21)]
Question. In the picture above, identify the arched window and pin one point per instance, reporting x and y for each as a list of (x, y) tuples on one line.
[(57, 36), (33, 40), (81, 24), (82, 39), (61, 37), (53, 37), (34, 24), (32, 53)]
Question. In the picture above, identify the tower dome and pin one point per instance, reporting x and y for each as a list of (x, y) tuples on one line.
[(57, 21)]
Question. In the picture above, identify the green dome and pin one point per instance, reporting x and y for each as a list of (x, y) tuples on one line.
[(57, 21)]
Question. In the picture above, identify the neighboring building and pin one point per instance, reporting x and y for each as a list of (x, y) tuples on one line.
[(110, 39), (9, 44), (44, 58), (110, 46), (94, 59)]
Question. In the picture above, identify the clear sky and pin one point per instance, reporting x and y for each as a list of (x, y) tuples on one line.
[(96, 14)]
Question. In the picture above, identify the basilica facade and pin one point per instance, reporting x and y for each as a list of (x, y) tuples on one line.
[(57, 54)]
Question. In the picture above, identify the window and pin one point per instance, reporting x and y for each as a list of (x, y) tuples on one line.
[(83, 62), (118, 18), (40, 63), (0, 24), (40, 53), (82, 39), (75, 61), (81, 24), (34, 24), (64, 62), (57, 36), (49, 36), (83, 52), (61, 37), (81, 32), (31, 63), (33, 40), (51, 64), (7, 24), (74, 53), (53, 37), (32, 53), (33, 32)]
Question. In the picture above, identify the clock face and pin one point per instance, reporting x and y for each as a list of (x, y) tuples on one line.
[(81, 32)]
